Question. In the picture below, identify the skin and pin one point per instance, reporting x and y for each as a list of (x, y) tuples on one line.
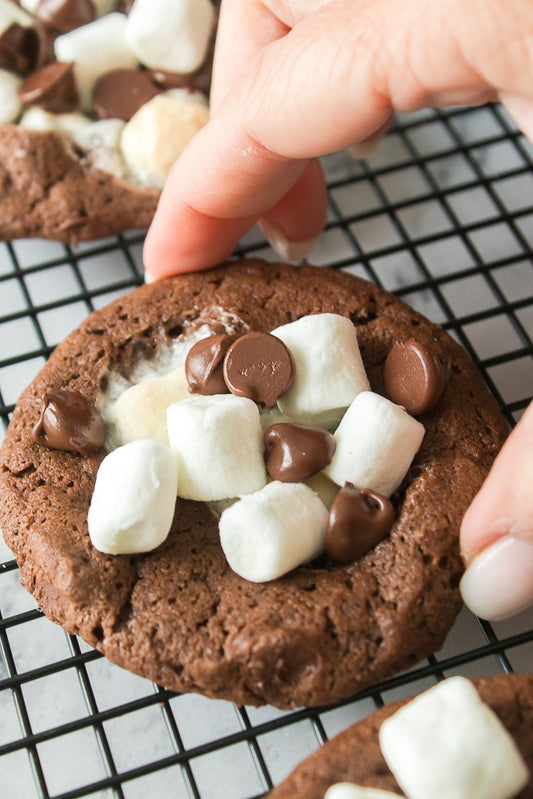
[(297, 79)]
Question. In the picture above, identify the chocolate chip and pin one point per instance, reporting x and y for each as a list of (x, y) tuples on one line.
[(120, 93), (204, 365), (295, 452), (52, 87), (358, 520), (415, 377), (65, 15), (17, 45), (258, 366), (70, 422)]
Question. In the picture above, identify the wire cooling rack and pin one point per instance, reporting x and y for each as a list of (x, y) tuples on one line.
[(442, 214)]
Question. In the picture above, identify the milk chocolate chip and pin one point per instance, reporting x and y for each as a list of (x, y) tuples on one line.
[(17, 46), (65, 15), (415, 377), (204, 365), (52, 87), (120, 93), (295, 452), (358, 520), (258, 366), (69, 421)]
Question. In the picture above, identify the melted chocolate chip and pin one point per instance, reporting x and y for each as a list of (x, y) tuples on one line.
[(120, 93), (295, 452), (358, 520), (52, 87), (414, 376), (259, 366), (65, 15), (17, 47), (204, 365), (42, 46), (70, 422)]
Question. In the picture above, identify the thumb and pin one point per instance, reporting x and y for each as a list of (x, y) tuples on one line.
[(497, 532)]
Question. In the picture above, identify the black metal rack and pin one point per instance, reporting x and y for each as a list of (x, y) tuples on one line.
[(442, 214)]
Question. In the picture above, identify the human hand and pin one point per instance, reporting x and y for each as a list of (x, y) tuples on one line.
[(497, 531), (296, 79)]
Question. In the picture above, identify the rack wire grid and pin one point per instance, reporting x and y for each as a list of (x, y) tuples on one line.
[(441, 214)]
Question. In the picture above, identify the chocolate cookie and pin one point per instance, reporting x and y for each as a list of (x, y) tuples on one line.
[(178, 614), (85, 143), (355, 755)]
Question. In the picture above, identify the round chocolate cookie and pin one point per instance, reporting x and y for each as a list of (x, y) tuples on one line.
[(178, 615), (355, 755)]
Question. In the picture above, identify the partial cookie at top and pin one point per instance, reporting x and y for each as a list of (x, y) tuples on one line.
[(178, 614)]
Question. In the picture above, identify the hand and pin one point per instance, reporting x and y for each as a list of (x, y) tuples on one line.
[(497, 531), (296, 79)]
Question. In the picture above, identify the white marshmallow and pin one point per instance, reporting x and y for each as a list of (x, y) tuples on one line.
[(170, 34), (134, 497), (95, 49), (38, 119), (10, 13), (347, 790), (30, 5), (376, 443), (72, 123), (447, 744), (10, 104), (141, 411), (102, 140), (329, 371), (158, 133), (267, 534), (219, 446)]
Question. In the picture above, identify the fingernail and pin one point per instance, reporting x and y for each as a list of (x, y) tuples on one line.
[(499, 581), (148, 277), (288, 250)]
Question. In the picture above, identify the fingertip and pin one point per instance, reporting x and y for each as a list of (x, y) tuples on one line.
[(498, 583)]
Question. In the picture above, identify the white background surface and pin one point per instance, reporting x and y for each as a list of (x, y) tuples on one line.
[(442, 213)]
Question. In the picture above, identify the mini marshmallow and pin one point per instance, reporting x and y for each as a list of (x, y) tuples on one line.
[(38, 119), (11, 13), (267, 534), (30, 5), (347, 790), (71, 124), (141, 411), (157, 134), (10, 104), (218, 443), (170, 34), (376, 443), (102, 140), (95, 49), (329, 371), (134, 497), (448, 744)]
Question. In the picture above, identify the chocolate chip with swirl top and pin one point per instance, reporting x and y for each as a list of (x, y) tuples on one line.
[(68, 421), (358, 520)]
